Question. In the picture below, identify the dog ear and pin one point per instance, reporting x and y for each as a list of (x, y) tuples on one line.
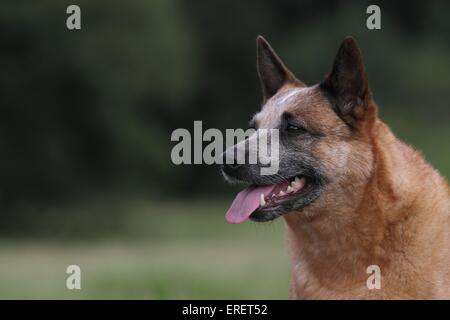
[(272, 73), (347, 82)]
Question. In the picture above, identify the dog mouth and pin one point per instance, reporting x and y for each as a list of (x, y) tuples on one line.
[(264, 203)]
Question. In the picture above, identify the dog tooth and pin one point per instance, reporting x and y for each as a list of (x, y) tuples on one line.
[(262, 202), (281, 193), (298, 183), (301, 182), (289, 189)]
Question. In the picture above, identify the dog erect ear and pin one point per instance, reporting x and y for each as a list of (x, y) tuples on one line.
[(347, 82), (272, 73)]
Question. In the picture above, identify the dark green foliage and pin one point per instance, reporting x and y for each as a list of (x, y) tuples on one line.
[(92, 111)]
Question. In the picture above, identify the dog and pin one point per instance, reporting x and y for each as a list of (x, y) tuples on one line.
[(354, 197)]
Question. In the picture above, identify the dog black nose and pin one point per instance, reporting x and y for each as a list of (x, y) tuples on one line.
[(229, 163), (231, 167)]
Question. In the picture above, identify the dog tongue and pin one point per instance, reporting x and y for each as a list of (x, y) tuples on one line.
[(245, 203)]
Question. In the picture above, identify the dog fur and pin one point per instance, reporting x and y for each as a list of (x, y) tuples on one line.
[(382, 203)]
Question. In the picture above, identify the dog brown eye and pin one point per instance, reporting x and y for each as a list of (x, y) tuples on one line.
[(293, 127)]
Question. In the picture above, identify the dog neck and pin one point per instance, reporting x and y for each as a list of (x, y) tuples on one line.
[(332, 245)]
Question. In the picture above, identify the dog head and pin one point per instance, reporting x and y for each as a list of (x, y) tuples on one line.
[(322, 134)]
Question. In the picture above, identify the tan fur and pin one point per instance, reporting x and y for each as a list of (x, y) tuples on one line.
[(386, 206), (382, 205)]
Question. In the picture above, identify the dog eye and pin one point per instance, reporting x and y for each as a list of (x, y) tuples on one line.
[(294, 128)]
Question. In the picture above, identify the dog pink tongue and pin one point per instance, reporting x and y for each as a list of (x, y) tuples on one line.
[(245, 203)]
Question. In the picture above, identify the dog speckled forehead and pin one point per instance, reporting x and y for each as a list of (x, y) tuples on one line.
[(285, 99)]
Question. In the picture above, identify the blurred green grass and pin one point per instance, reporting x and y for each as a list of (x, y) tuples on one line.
[(161, 250)]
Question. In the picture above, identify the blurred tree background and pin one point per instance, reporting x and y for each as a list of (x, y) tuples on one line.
[(92, 110), (88, 114)]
